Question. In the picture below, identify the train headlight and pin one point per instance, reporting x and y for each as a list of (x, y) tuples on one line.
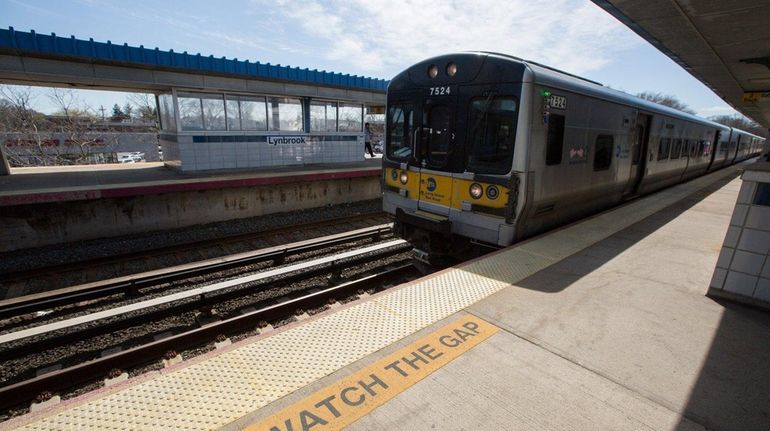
[(476, 191), (451, 69), (493, 192), (404, 177), (394, 174), (433, 71)]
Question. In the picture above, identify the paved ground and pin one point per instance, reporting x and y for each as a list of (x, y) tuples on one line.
[(97, 176), (618, 336), (595, 331)]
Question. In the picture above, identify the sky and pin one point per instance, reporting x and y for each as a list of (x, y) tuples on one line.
[(370, 37)]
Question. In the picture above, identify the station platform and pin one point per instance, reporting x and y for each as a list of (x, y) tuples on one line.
[(603, 324), (67, 183), (51, 206)]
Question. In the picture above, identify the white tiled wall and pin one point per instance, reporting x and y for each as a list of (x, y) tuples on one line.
[(743, 267), (200, 156)]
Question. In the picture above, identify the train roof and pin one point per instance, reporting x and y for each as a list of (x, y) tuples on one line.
[(552, 77), (557, 78)]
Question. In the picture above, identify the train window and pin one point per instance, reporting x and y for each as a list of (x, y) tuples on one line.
[(676, 149), (603, 152), (400, 132), (492, 135), (438, 135), (701, 148), (636, 148), (693, 145), (663, 148), (555, 142)]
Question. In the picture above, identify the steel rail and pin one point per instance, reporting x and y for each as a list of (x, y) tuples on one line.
[(18, 393), (131, 283), (160, 307)]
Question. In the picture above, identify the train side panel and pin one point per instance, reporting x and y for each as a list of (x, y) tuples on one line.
[(579, 158)]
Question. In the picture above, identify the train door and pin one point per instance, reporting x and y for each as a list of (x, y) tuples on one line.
[(436, 142), (638, 151)]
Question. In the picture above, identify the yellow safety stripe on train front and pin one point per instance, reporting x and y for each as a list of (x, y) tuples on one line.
[(392, 179), (444, 190)]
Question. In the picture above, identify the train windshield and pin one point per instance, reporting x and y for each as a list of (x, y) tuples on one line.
[(492, 134), (400, 131)]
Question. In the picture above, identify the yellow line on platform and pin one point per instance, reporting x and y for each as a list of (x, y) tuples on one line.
[(354, 396)]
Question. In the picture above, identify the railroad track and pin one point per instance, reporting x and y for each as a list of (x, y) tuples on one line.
[(84, 271), (131, 284), (47, 336)]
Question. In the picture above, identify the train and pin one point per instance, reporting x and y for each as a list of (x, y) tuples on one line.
[(485, 149)]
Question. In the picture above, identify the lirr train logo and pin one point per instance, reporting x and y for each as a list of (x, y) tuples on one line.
[(431, 184), (286, 140)]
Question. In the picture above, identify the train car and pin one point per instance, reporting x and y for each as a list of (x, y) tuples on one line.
[(483, 150)]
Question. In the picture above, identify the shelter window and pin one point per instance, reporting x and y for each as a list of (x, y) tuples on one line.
[(603, 152), (253, 113), (323, 116), (166, 111), (284, 113), (213, 111), (664, 146), (400, 127), (555, 143), (351, 118), (246, 113), (190, 112), (492, 135), (233, 113)]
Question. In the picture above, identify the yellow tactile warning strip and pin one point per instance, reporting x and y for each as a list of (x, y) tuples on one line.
[(211, 393), (354, 396)]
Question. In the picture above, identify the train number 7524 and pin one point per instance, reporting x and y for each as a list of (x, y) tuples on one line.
[(440, 91)]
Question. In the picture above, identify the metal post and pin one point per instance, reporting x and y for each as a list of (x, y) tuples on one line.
[(5, 168)]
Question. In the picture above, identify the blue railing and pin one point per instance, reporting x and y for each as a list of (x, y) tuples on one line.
[(23, 42)]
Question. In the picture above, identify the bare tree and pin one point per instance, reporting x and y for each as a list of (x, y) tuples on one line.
[(740, 122), (666, 100), (27, 146), (75, 122), (146, 107), (66, 137)]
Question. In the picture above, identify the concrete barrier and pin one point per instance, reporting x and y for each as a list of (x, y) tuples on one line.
[(35, 225)]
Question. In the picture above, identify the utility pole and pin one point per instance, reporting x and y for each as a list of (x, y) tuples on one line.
[(101, 108)]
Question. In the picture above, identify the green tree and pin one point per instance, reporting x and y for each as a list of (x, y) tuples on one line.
[(128, 110), (117, 113)]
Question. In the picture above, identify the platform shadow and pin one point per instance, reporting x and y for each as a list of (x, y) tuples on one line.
[(732, 388), (732, 391), (564, 273)]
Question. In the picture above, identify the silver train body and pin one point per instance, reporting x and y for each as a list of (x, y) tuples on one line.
[(484, 149)]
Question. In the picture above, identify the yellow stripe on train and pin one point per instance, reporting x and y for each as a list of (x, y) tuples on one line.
[(444, 190)]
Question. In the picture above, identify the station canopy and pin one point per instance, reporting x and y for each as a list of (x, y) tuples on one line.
[(725, 44)]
